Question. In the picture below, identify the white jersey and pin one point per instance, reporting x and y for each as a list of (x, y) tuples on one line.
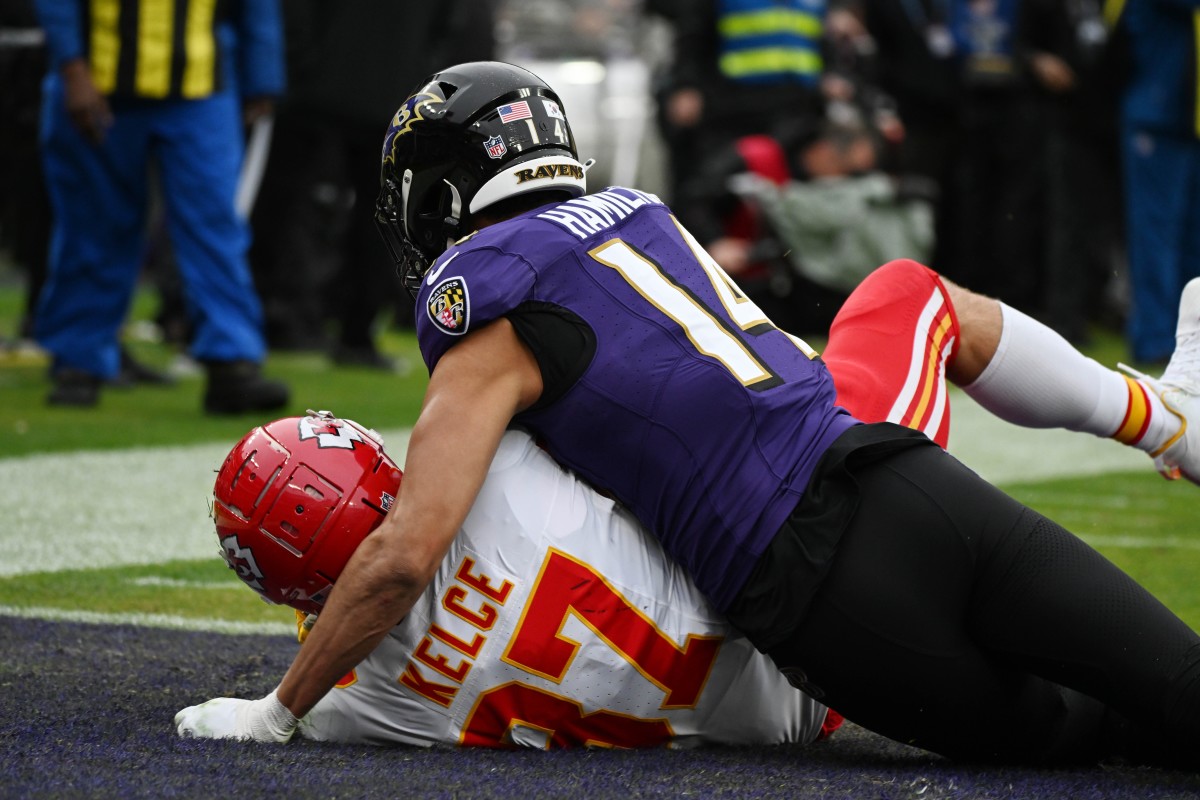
[(556, 621)]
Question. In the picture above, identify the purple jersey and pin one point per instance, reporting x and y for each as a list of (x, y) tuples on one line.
[(694, 411)]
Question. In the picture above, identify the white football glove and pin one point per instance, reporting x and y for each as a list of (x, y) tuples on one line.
[(265, 720)]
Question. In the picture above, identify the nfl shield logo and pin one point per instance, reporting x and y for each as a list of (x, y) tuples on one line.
[(448, 306), (495, 147)]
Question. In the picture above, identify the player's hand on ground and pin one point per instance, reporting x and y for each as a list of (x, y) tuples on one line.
[(265, 720)]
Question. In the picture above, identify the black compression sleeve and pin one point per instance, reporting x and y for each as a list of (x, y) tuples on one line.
[(562, 342)]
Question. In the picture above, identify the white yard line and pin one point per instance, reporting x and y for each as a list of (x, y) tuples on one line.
[(1143, 542), (177, 583), (150, 620)]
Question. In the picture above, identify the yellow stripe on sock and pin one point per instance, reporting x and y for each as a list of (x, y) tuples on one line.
[(1137, 417)]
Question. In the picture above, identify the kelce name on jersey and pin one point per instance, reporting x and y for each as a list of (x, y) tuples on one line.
[(473, 599), (588, 215)]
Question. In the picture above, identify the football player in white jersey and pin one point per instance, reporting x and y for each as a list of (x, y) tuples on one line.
[(554, 621)]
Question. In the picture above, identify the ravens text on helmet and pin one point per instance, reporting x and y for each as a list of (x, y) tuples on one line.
[(550, 171)]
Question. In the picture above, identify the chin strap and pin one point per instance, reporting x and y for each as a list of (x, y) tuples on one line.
[(452, 222)]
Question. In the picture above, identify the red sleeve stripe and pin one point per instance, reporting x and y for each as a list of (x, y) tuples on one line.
[(922, 402)]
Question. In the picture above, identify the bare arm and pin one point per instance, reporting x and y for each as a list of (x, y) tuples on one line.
[(473, 393)]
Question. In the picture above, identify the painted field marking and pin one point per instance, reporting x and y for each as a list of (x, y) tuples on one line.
[(1143, 542), (180, 583), (150, 620)]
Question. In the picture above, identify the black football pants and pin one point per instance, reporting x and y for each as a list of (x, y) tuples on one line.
[(953, 618)]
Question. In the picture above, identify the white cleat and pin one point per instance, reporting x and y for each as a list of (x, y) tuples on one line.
[(1179, 389)]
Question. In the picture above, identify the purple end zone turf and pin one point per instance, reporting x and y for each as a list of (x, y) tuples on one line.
[(86, 711)]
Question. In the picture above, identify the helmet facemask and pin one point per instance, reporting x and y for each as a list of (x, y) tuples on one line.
[(412, 262)]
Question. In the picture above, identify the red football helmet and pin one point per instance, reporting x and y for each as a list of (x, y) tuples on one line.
[(294, 499)]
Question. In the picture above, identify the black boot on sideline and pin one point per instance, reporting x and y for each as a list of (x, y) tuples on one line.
[(75, 388), (236, 387)]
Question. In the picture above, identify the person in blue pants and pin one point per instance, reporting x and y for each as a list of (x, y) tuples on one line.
[(1160, 140), (131, 84)]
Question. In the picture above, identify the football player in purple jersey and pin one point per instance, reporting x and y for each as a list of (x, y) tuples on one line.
[(882, 576)]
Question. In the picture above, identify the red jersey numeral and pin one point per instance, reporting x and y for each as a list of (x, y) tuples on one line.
[(564, 588), (567, 587), (565, 724)]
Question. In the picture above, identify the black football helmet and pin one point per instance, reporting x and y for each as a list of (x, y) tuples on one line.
[(470, 136)]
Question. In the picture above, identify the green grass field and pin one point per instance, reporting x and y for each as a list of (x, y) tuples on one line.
[(57, 504), (157, 417)]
